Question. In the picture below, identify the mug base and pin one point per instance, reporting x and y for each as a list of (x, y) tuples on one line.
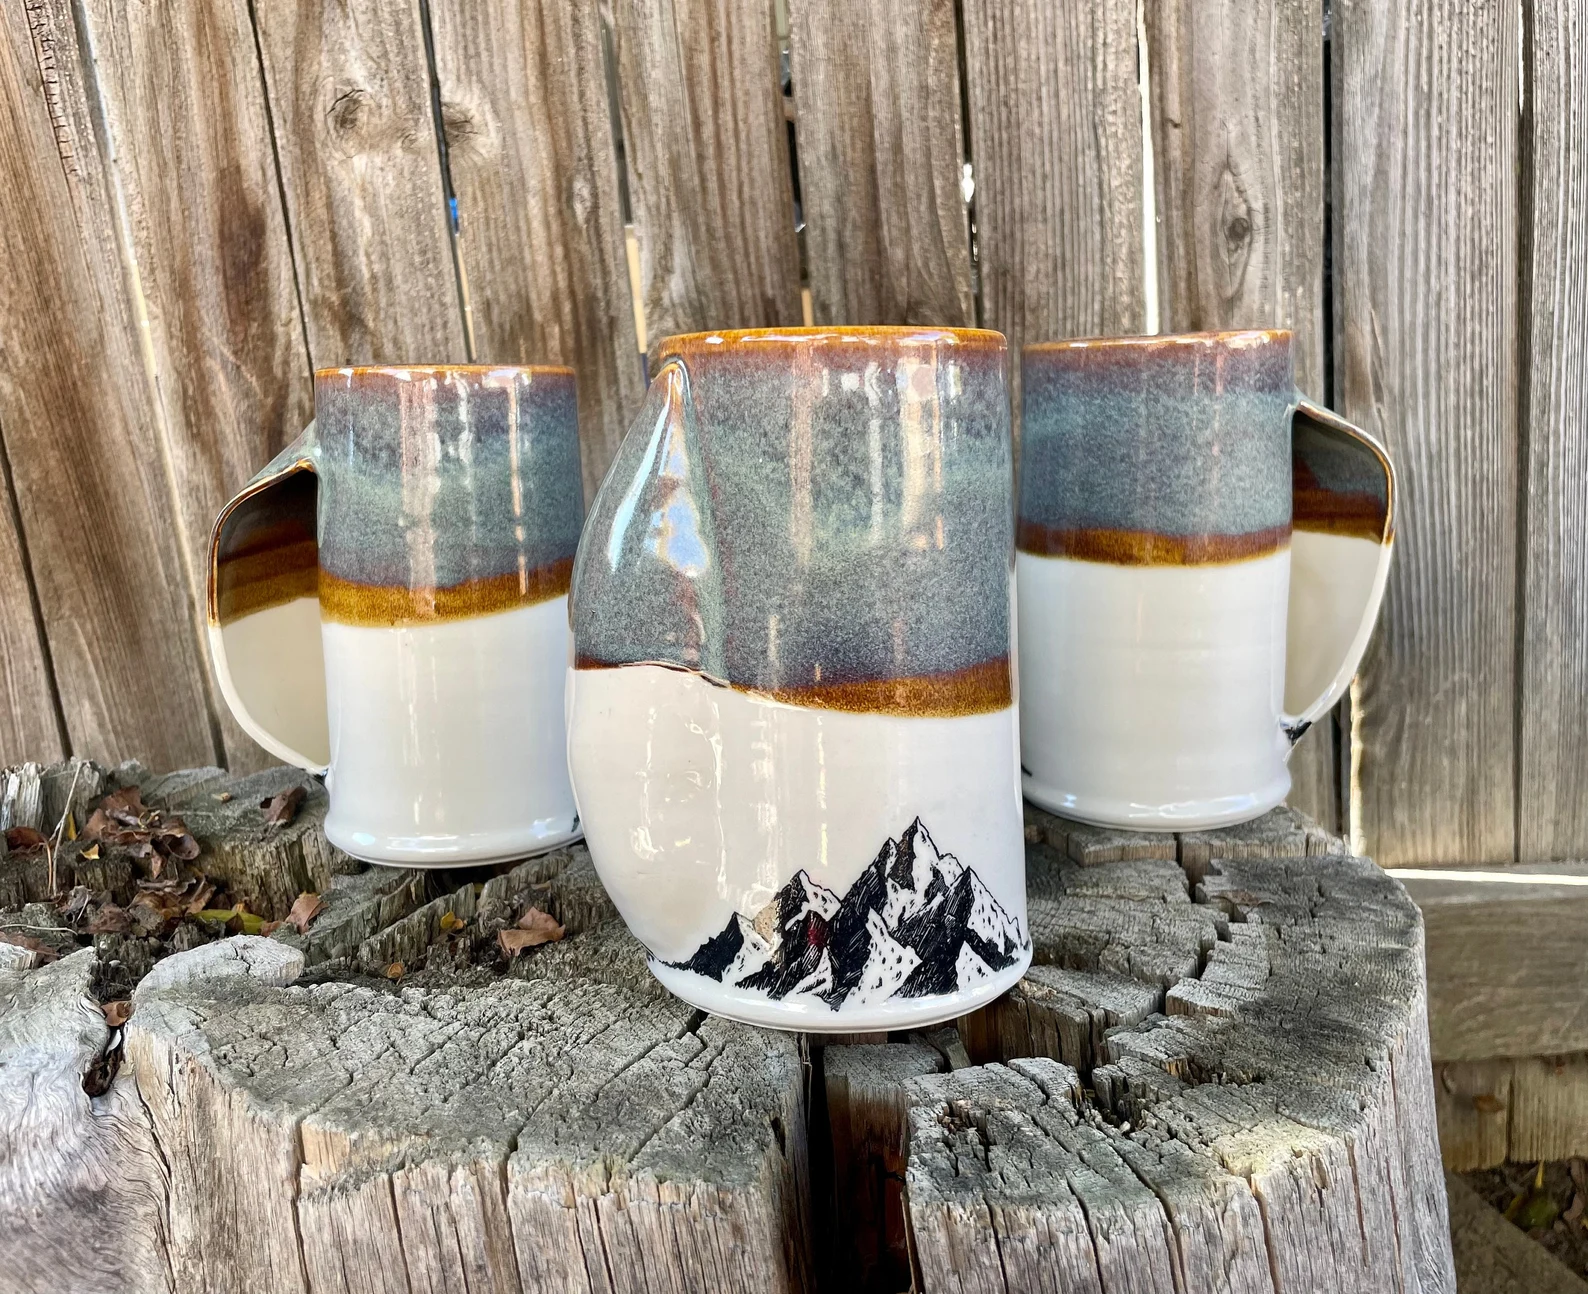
[(812, 1015), (455, 851), (1193, 815)]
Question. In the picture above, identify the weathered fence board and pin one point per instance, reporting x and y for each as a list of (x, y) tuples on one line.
[(1237, 111), (1552, 784), (881, 158), (184, 109), (530, 151), (707, 147), (1424, 174), (1055, 134), (27, 688), (349, 90), (77, 406)]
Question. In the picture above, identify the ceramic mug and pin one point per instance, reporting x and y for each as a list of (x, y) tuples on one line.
[(792, 720), (388, 606), (1201, 553)]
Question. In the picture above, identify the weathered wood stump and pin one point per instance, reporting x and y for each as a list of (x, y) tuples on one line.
[(1215, 1078)]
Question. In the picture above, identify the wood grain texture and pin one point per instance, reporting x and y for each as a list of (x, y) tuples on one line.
[(1473, 1101), (1237, 112), (1055, 140), (1507, 963), (28, 724), (77, 404), (1549, 1108), (349, 90), (1425, 222), (184, 106), (1553, 777), (707, 150), (533, 164), (881, 155)]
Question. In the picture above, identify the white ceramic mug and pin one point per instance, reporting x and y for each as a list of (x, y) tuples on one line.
[(388, 606), (793, 733), (1201, 554)]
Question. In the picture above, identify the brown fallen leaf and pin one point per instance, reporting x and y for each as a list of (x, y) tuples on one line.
[(1487, 1103), (451, 921), (19, 840), (304, 910), (395, 971), (513, 942), (116, 1013), (542, 925), (110, 920), (40, 949), (283, 808), (201, 896), (91, 853), (270, 927), (124, 806)]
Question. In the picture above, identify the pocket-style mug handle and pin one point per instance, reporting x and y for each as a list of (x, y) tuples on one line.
[(263, 607), (1343, 530)]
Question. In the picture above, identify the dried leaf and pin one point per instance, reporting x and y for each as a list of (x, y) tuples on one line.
[(395, 971), (201, 896), (541, 925), (514, 942), (222, 796), (283, 808), (174, 838), (451, 921), (91, 853), (40, 949), (116, 1013), (1487, 1103), (110, 920), (22, 839), (304, 910), (270, 927), (124, 806)]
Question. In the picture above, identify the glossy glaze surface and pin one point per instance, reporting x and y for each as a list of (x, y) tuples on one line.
[(388, 602), (792, 723), (1201, 560)]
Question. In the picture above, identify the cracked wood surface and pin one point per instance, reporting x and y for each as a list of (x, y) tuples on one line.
[(1214, 1077)]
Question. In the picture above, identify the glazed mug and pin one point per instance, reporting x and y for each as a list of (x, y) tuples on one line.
[(388, 607), (792, 719), (1201, 554)]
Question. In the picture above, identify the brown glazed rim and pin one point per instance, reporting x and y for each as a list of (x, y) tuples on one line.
[(970, 338), (1262, 336), (376, 370)]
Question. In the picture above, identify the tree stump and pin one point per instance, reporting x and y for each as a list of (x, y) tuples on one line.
[(1215, 1078)]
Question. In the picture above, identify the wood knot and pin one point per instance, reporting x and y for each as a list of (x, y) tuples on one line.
[(351, 113), (462, 127), (1232, 247)]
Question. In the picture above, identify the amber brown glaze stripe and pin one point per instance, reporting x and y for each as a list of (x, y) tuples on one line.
[(275, 568), (1144, 548), (976, 689), (1357, 516), (350, 603)]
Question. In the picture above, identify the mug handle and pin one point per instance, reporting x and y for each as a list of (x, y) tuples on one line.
[(1343, 531), (263, 607)]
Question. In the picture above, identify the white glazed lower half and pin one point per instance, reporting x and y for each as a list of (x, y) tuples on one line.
[(1151, 696), (271, 673), (701, 802), (447, 740)]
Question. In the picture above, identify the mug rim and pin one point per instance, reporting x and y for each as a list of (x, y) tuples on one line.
[(363, 370), (1254, 336), (968, 337)]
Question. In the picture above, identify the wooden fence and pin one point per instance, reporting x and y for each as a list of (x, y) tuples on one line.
[(201, 200)]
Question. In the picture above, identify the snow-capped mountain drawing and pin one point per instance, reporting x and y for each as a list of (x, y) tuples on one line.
[(915, 922)]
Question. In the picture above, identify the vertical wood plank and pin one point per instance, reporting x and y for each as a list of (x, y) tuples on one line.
[(78, 411), (881, 155), (530, 149), (707, 148), (1237, 113), (1553, 781), (349, 89), (28, 727), (1055, 127), (184, 108), (1426, 358)]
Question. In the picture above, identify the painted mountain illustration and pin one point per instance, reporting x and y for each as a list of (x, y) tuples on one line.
[(915, 922)]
